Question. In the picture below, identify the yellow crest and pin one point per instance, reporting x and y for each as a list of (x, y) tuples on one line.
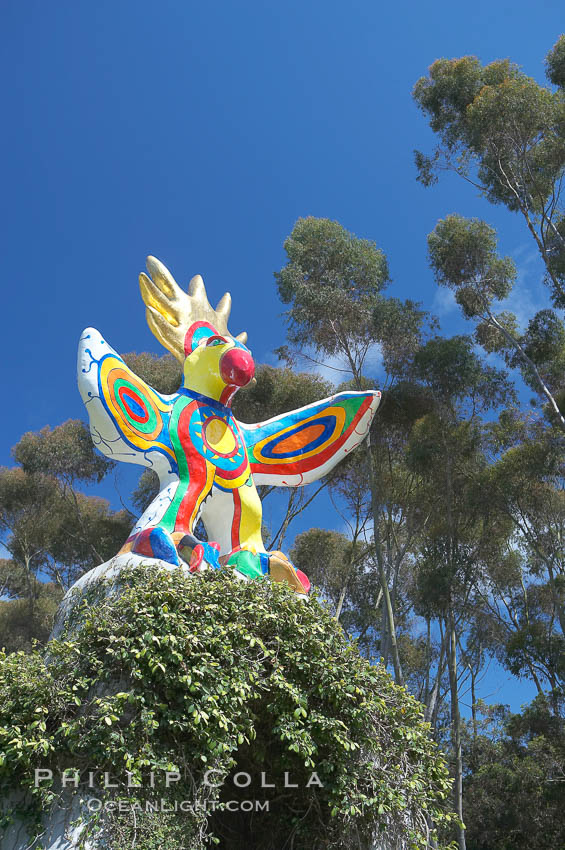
[(171, 311)]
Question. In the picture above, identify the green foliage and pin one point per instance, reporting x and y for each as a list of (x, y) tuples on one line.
[(494, 338), (22, 623), (525, 485), (505, 134), (193, 674), (449, 561), (455, 375), (344, 574), (64, 452), (52, 528), (49, 528), (146, 490), (555, 63), (515, 127), (464, 258), (398, 327), (331, 281), (534, 642), (326, 555), (401, 407), (451, 86), (514, 792), (497, 118), (544, 343), (333, 259)]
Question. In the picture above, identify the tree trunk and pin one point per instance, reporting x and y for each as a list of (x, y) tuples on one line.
[(473, 702), (456, 731), (432, 703), (387, 603)]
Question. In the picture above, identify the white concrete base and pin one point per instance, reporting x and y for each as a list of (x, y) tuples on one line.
[(61, 830)]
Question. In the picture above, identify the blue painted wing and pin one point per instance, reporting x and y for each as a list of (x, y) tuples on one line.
[(301, 446)]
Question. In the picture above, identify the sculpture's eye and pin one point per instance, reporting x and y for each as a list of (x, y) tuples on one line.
[(216, 340)]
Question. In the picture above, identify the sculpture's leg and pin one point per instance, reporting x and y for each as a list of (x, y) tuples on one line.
[(282, 569), (194, 551), (194, 485), (173, 534), (234, 518), (153, 542), (247, 518), (248, 551)]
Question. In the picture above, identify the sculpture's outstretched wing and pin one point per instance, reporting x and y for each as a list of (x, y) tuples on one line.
[(303, 445), (129, 420)]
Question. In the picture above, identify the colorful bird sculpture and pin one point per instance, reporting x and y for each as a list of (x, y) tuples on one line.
[(208, 463)]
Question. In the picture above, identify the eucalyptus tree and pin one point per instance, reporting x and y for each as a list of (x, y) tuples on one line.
[(505, 134), (521, 612), (342, 565), (20, 626), (463, 255), (514, 788), (333, 283), (80, 531), (446, 449), (527, 480), (403, 512), (51, 531), (336, 565)]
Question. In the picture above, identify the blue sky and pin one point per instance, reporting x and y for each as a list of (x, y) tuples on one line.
[(200, 132)]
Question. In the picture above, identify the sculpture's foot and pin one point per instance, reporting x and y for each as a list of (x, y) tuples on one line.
[(247, 562), (281, 569), (178, 548), (174, 548), (196, 553), (274, 564), (152, 542)]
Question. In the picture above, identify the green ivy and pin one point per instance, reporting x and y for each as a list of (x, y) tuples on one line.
[(191, 674)]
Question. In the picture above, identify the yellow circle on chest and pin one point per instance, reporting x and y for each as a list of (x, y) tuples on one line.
[(220, 437)]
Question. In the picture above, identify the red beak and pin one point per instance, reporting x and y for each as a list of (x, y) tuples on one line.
[(237, 367)]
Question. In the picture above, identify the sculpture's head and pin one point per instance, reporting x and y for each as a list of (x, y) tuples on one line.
[(215, 363)]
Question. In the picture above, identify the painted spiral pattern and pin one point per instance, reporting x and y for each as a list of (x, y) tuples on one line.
[(136, 409)]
